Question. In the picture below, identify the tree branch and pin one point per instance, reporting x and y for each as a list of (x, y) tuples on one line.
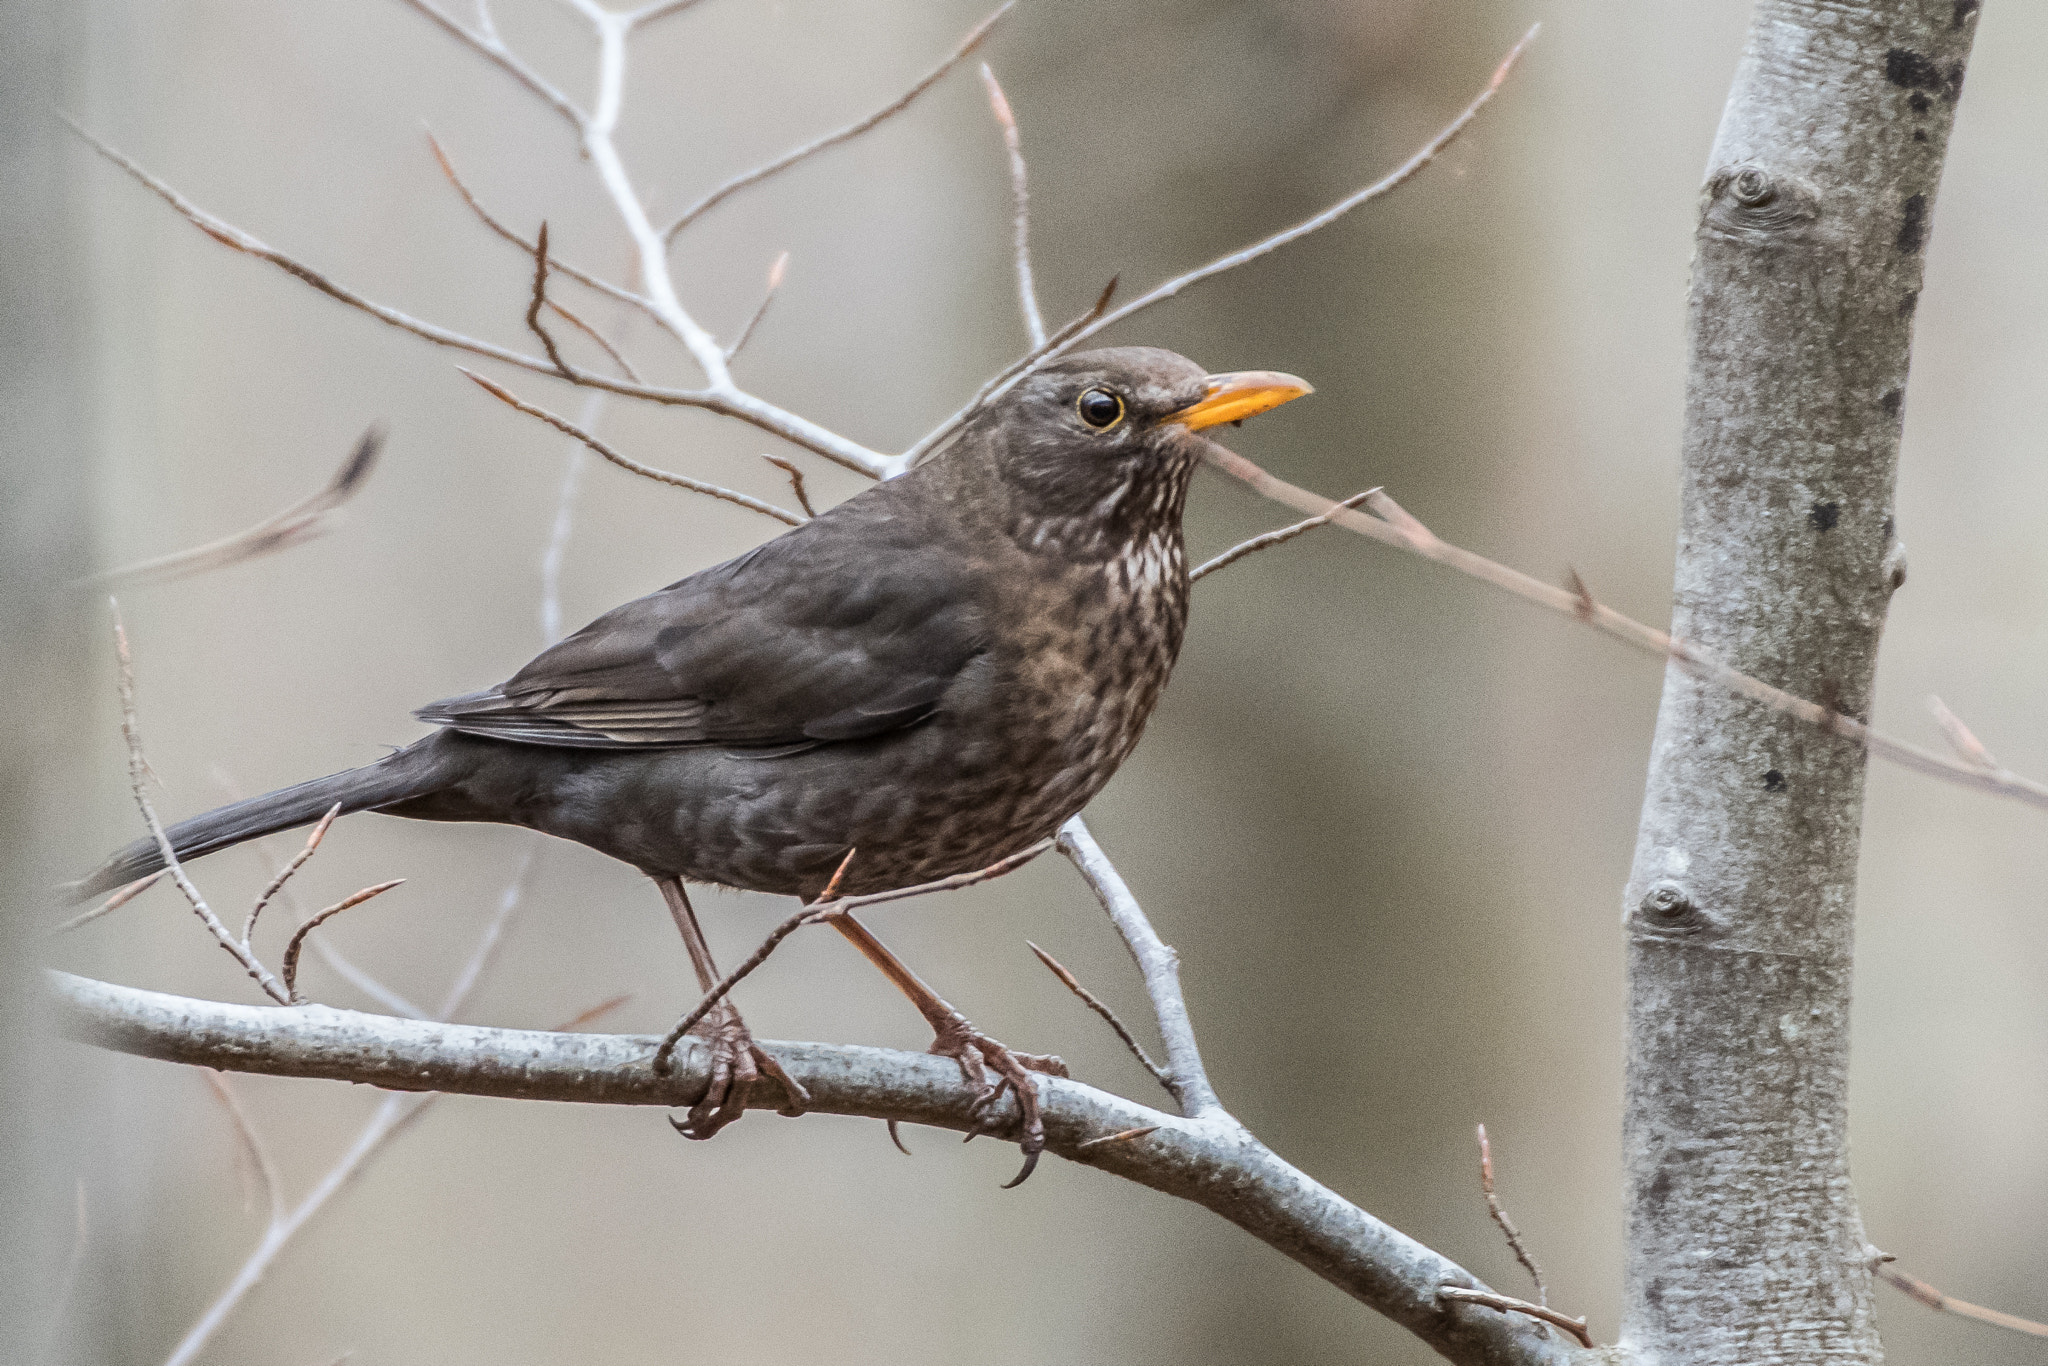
[(1160, 966), (1400, 176), (1221, 1168), (846, 134)]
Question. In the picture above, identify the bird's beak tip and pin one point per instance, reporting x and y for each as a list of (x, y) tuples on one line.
[(1239, 395)]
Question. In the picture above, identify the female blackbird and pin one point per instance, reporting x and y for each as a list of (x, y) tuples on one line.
[(935, 673)]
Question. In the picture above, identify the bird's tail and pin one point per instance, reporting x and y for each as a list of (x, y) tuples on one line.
[(413, 771)]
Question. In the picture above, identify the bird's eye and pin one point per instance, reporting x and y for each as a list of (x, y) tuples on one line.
[(1100, 408)]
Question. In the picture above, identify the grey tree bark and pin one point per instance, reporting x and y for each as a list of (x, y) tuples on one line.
[(1744, 1243)]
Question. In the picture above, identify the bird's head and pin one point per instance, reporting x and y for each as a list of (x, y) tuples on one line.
[(1099, 446)]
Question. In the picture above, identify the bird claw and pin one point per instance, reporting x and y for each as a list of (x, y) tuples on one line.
[(977, 1055), (737, 1062)]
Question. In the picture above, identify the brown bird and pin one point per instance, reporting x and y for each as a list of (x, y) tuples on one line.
[(934, 675)]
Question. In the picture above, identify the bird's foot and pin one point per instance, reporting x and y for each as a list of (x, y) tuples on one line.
[(737, 1062), (977, 1056)]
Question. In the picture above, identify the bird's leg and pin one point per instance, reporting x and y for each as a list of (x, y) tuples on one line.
[(736, 1060), (956, 1038)]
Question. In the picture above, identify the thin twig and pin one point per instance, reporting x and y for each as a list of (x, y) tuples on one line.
[(1394, 180), (1273, 538), (1508, 1304), (659, 9), (775, 274), (796, 482), (1120, 1136), (251, 1146), (1959, 736), (289, 965), (848, 133), (1948, 1304), (1002, 379), (1094, 1003), (603, 342), (113, 903), (1507, 1225), (284, 875), (818, 912), (594, 1014), (491, 47), (525, 245), (538, 298), (1020, 207), (722, 397), (138, 771), (1394, 526), (563, 424), (301, 522), (1160, 966)]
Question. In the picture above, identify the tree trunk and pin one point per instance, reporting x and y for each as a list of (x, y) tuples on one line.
[(1744, 1243)]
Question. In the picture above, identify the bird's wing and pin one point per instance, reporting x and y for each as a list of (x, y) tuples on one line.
[(822, 634)]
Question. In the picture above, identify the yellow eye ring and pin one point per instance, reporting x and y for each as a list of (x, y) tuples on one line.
[(1100, 408)]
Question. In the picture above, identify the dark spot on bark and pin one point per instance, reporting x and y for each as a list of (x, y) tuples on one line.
[(1824, 516), (1954, 91), (1963, 11), (1911, 71), (1920, 104), (1656, 1193), (1913, 224), (1654, 1293), (1829, 694), (1891, 401), (1919, 135), (1909, 303), (1774, 781), (1890, 524)]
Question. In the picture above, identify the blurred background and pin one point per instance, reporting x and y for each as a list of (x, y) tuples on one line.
[(1384, 813)]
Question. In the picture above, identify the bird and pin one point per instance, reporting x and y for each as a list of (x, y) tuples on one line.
[(919, 682)]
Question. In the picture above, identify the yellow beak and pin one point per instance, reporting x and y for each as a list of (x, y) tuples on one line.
[(1234, 397)]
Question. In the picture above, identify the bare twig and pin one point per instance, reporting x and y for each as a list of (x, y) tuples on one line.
[(1400, 176), (659, 9), (284, 875), (1960, 737), (525, 245), (1508, 1304), (113, 903), (824, 910), (796, 482), (138, 769), (537, 299), (594, 1014), (493, 937), (563, 424), (775, 274), (603, 342), (1002, 379), (488, 45), (1948, 1304), (289, 966), (1160, 966), (1507, 1225), (1089, 999), (1121, 1136), (251, 1147), (302, 521), (1020, 207), (846, 134), (1273, 538), (1395, 527), (721, 397)]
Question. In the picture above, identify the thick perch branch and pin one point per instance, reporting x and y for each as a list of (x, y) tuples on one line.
[(1219, 1167)]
